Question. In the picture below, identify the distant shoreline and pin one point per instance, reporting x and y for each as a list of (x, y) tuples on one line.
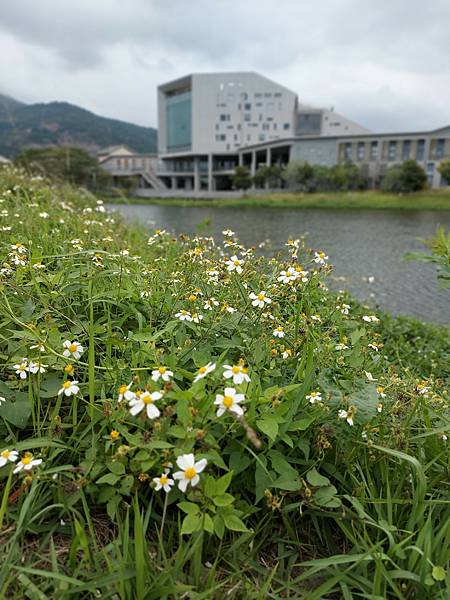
[(430, 200)]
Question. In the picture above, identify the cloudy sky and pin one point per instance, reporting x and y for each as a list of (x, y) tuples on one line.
[(383, 63)]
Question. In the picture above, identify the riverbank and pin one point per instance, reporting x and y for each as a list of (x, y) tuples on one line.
[(370, 200), (183, 416)]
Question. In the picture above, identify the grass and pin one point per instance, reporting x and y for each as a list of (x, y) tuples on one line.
[(373, 200), (331, 483)]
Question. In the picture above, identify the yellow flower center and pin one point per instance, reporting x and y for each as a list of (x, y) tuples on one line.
[(163, 479), (190, 473), (202, 370), (380, 389), (162, 370), (228, 401), (147, 399), (23, 368), (236, 263), (114, 434), (5, 454), (261, 296), (26, 460), (67, 384), (192, 297), (122, 389), (68, 368), (244, 370), (73, 347), (236, 370)]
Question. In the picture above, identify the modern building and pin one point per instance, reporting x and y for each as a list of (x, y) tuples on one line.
[(206, 120), (210, 123)]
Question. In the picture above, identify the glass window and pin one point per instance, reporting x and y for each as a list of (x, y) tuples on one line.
[(360, 152), (247, 117), (348, 151), (278, 95), (440, 147), (373, 150), (261, 137), (430, 173), (286, 126), (179, 121), (392, 150), (257, 95), (420, 150), (406, 149), (244, 96), (247, 106), (270, 106)]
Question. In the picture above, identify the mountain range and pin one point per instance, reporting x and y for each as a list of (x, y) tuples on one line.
[(62, 124)]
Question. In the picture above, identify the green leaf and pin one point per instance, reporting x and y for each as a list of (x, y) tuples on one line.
[(109, 478), (191, 523), (183, 412), (189, 508), (223, 500), (223, 483), (281, 465), (219, 526), (301, 424), (234, 523), (17, 413), (159, 445), (315, 479), (268, 426), (438, 573), (117, 468), (208, 524)]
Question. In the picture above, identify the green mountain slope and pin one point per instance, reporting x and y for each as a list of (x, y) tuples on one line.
[(63, 124)]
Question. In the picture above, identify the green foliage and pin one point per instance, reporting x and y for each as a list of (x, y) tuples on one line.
[(292, 499), (241, 179), (270, 175), (319, 178), (444, 170), (405, 178), (65, 164), (440, 256)]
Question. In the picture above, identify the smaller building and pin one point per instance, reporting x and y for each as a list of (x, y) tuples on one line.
[(124, 164)]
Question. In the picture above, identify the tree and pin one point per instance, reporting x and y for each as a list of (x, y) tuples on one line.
[(272, 175), (67, 164), (444, 170), (299, 175), (405, 178), (241, 178)]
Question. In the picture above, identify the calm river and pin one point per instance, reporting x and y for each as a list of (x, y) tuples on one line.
[(360, 244)]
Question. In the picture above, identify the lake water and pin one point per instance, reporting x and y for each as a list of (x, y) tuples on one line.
[(360, 244)]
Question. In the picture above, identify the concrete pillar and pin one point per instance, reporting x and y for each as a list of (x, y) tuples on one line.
[(210, 173), (196, 174), (269, 157), (253, 164), (240, 159), (173, 183)]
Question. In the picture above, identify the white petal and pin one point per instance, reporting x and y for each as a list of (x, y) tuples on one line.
[(186, 461), (182, 484), (229, 391), (136, 408), (195, 480), (237, 409), (200, 465), (156, 395), (152, 411), (178, 475)]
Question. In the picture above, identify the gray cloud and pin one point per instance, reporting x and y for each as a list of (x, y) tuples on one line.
[(386, 65)]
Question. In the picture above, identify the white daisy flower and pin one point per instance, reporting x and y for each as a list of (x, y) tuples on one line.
[(37, 367), (27, 462), (145, 400), (184, 315), (380, 391), (190, 470), (314, 397), (288, 276), (162, 372), (209, 304), (125, 393), (237, 372), (347, 415), (228, 233), (320, 258), (21, 369), (8, 455), (69, 388), (229, 401), (163, 482), (259, 300), (204, 371), (234, 264), (74, 349), (370, 319), (279, 332), (196, 318)]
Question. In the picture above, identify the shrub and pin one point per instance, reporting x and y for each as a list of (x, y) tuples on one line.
[(405, 178), (241, 179)]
